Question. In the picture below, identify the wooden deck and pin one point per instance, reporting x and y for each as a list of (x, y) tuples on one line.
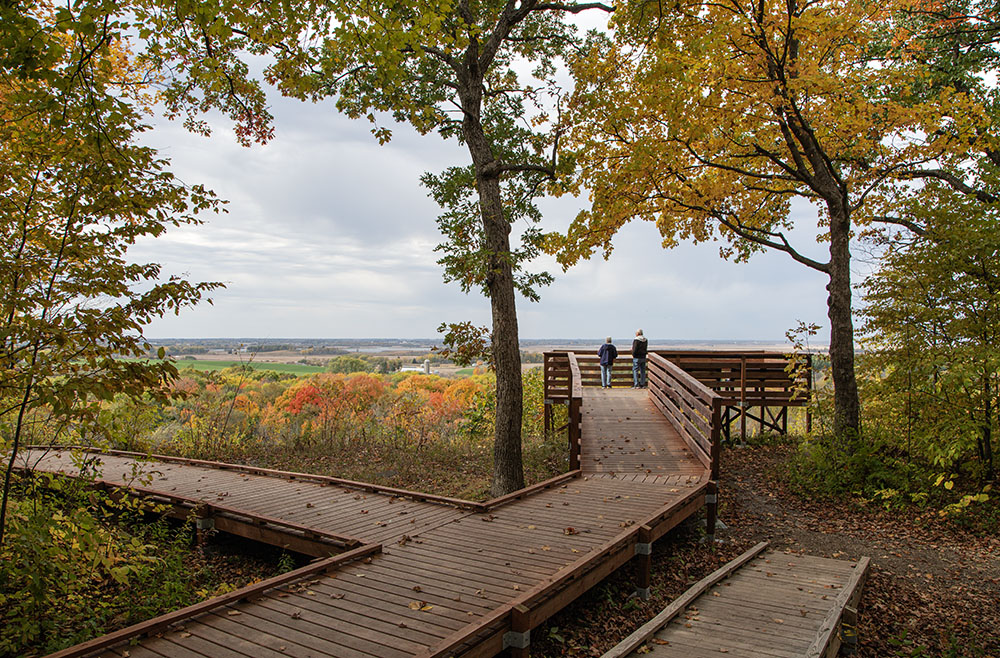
[(423, 576), (761, 605)]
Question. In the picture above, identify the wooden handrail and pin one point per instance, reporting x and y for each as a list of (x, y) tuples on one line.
[(692, 408)]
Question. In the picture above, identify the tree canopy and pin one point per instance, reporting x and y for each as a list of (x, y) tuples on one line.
[(710, 118), (76, 191)]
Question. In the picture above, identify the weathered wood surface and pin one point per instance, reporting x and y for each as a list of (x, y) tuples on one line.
[(449, 578), (775, 605)]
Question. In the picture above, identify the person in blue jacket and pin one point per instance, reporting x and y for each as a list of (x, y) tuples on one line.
[(607, 353)]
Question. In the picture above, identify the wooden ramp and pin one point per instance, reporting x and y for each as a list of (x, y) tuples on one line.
[(421, 575), (760, 605)]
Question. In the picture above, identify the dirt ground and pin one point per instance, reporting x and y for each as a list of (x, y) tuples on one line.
[(933, 589)]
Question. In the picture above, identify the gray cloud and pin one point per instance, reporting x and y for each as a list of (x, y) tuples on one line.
[(328, 234)]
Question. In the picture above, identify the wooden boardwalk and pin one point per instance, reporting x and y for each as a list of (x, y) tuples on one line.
[(761, 605), (422, 576)]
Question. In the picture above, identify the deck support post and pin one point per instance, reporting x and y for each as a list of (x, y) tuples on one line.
[(547, 417), (518, 638), (711, 509), (203, 524), (644, 553)]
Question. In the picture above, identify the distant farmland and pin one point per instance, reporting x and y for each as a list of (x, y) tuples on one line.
[(205, 365)]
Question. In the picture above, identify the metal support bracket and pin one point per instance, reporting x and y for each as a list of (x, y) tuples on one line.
[(642, 593), (644, 548), (514, 640), (711, 499), (206, 523)]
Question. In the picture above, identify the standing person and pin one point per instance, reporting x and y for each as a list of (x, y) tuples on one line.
[(608, 353), (639, 346)]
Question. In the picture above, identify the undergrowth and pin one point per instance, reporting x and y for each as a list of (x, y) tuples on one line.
[(76, 564)]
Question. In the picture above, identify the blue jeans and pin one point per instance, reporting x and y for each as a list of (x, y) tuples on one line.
[(606, 375), (639, 372)]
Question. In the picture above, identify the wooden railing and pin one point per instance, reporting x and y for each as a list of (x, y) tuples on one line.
[(575, 411), (692, 408)]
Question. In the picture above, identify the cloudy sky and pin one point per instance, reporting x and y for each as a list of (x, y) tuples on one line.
[(330, 235)]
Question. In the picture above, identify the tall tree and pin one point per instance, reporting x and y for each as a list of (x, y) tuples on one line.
[(454, 67), (76, 191), (710, 117)]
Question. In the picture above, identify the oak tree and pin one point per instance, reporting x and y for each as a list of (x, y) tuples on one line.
[(455, 67), (710, 118)]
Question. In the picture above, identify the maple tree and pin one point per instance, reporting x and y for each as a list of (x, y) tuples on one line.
[(76, 191), (710, 118), (454, 67)]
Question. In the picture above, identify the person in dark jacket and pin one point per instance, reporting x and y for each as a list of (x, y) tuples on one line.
[(639, 346), (607, 353)]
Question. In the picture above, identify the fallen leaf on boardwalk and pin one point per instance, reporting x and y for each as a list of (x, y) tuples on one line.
[(574, 550), (480, 592), (364, 511), (778, 621), (337, 595), (656, 640), (803, 612), (425, 608), (644, 648), (185, 635), (531, 527), (296, 615), (723, 650), (417, 588), (571, 531), (716, 594), (368, 560), (546, 548), (233, 613), (488, 518), (402, 625), (310, 505), (517, 587), (403, 540), (415, 605)]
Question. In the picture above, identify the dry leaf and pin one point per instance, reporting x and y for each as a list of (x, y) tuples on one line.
[(233, 613)]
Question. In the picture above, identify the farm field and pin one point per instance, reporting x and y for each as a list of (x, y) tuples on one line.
[(206, 365)]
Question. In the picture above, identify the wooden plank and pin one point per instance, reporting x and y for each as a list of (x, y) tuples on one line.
[(647, 630), (157, 624)]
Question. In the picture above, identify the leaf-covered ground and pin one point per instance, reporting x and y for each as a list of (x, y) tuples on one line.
[(933, 589)]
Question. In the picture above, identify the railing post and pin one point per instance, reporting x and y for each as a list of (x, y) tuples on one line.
[(743, 399), (575, 413), (574, 433), (644, 553), (715, 438)]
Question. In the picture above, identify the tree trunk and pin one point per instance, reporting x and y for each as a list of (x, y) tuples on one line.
[(508, 471), (846, 405)]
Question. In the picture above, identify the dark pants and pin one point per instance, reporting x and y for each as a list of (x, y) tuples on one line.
[(639, 372)]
